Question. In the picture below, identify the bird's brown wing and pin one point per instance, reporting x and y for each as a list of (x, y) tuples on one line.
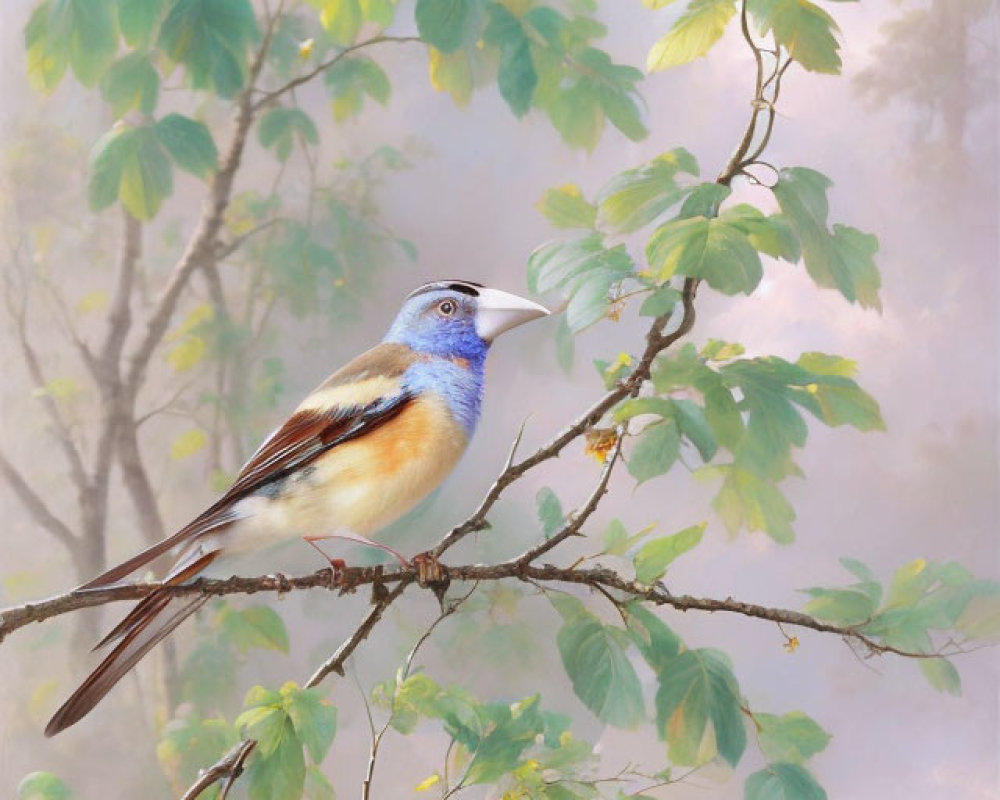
[(342, 410)]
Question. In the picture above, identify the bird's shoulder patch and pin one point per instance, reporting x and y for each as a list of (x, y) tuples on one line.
[(373, 375)]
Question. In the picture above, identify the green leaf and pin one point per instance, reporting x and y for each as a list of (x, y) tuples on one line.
[(636, 197), (856, 251), (565, 207), (655, 452), (265, 724), (577, 114), (516, 74), (694, 427), (314, 719), (189, 742), (602, 676), (660, 303), (380, 12), (704, 200), (655, 556), (806, 31), (509, 730), (637, 406), (748, 501), (846, 606), (783, 782), (942, 675), (279, 127), (138, 19), (793, 737), (692, 36), (281, 774), (129, 164), (550, 511), (350, 80), (210, 38), (256, 626), (841, 261), (442, 22), (107, 158), (772, 235), (980, 619), (697, 689), (615, 538), (317, 786), (586, 269), (80, 33), (723, 415), (131, 82), (452, 73), (710, 249), (657, 643), (590, 294), (42, 786), (189, 144), (187, 444), (342, 19)]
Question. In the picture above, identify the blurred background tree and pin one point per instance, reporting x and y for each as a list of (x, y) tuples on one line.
[(234, 241)]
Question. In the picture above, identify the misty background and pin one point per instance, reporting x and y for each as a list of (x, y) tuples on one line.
[(917, 168)]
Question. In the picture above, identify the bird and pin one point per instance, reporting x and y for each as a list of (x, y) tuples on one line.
[(359, 451)]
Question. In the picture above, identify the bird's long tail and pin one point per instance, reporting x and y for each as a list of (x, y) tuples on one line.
[(153, 618)]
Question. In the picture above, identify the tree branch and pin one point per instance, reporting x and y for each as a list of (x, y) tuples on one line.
[(202, 245), (656, 342), (230, 766), (381, 601), (38, 509), (269, 97), (15, 617)]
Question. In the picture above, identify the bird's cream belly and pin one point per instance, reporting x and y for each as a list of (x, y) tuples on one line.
[(360, 486)]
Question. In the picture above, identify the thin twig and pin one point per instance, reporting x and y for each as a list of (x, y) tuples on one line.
[(335, 663), (230, 766), (269, 97)]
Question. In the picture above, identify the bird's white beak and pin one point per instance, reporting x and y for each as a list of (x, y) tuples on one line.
[(500, 311)]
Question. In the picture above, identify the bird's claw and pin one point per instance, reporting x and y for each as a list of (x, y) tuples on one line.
[(429, 569)]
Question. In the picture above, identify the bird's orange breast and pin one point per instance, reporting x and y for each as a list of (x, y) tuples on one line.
[(364, 484)]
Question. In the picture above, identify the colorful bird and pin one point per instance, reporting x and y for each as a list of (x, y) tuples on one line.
[(359, 452)]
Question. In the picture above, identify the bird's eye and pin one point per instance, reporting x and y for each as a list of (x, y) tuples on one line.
[(446, 308)]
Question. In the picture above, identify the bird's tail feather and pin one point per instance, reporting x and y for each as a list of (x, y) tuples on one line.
[(153, 618)]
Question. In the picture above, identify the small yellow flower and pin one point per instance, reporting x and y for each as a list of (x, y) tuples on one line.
[(812, 388), (306, 48), (792, 644), (599, 442)]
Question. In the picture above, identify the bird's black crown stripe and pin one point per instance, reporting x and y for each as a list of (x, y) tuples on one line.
[(464, 287)]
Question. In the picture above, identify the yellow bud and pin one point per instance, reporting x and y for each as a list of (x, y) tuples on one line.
[(424, 785), (306, 48)]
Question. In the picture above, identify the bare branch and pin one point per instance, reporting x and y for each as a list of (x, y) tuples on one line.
[(447, 611), (230, 766), (380, 603), (16, 617), (37, 507)]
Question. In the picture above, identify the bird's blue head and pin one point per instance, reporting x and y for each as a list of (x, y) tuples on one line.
[(455, 322), (459, 319)]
